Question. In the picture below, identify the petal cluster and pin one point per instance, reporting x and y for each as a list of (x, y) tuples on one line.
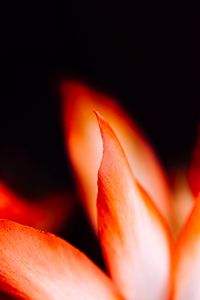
[(85, 147), (129, 202)]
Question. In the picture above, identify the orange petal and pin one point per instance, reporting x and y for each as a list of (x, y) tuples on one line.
[(183, 200), (194, 169), (47, 213), (85, 147), (186, 260), (38, 265), (135, 241)]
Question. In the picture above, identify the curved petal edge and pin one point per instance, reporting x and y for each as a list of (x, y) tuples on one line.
[(38, 265), (135, 239)]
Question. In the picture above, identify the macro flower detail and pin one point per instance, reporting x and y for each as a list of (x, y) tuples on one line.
[(83, 140), (38, 265), (143, 260), (131, 230)]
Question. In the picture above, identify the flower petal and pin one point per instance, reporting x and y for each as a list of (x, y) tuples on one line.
[(194, 169), (183, 199), (85, 147), (38, 265), (135, 241), (47, 213), (186, 260)]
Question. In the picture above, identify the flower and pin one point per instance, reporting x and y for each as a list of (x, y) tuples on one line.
[(143, 260), (83, 140)]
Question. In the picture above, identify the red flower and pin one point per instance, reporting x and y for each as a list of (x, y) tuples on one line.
[(133, 217), (85, 147)]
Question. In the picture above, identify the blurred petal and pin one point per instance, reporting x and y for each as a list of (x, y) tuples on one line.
[(38, 265), (183, 199), (47, 213), (186, 261), (85, 147), (134, 238), (194, 170)]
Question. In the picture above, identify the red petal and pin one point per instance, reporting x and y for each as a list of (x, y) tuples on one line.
[(37, 265), (186, 260), (135, 241), (85, 147), (194, 170), (47, 213)]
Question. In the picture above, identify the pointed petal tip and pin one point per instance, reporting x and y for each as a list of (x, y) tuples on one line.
[(102, 122), (98, 115), (82, 139), (130, 228), (104, 126)]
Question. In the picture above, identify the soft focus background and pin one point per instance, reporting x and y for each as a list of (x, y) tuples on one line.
[(144, 54)]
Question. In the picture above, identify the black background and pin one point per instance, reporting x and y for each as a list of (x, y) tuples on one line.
[(144, 53)]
